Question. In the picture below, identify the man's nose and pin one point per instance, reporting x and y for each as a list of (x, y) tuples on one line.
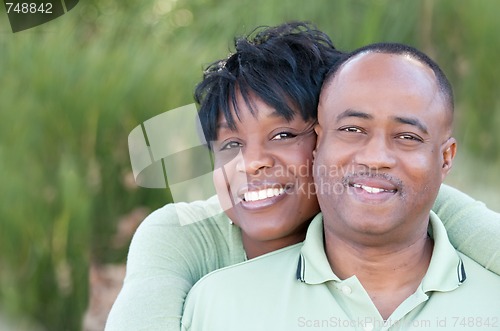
[(376, 154)]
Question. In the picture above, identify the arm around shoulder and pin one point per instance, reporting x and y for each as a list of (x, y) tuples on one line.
[(472, 228), (165, 259)]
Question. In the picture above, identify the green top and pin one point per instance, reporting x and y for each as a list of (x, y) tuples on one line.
[(295, 289), (166, 259)]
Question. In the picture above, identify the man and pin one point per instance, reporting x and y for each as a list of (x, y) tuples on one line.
[(378, 258)]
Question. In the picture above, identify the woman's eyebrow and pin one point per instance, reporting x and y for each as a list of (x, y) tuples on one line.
[(222, 125)]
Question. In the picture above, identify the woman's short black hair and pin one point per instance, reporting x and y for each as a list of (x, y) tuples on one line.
[(284, 66)]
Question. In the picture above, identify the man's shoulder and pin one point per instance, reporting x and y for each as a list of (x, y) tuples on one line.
[(477, 296), (480, 290), (261, 287), (265, 267), (478, 275)]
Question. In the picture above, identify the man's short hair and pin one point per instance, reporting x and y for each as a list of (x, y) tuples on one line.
[(400, 49)]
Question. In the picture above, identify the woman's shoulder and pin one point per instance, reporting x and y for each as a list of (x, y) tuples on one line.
[(199, 226), (186, 213)]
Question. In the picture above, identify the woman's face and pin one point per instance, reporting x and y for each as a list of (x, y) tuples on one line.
[(263, 175)]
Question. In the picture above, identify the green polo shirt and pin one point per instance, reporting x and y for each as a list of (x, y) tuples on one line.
[(295, 289)]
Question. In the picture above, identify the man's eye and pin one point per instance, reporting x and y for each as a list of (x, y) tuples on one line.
[(351, 129), (409, 137), (230, 145), (284, 135)]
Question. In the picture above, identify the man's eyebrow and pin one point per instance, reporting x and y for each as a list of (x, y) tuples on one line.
[(412, 121), (353, 113)]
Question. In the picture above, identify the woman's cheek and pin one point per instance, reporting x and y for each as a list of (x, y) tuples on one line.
[(222, 189)]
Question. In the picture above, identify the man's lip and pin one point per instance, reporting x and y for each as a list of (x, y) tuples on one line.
[(375, 184)]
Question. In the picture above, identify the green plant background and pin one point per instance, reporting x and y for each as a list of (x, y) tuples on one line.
[(72, 90)]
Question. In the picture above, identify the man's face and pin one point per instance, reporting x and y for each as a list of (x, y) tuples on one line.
[(383, 147)]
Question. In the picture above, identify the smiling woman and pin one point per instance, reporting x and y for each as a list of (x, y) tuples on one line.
[(257, 176)]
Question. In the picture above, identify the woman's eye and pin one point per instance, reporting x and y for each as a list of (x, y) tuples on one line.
[(284, 135), (230, 145)]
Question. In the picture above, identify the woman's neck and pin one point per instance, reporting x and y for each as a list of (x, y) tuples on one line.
[(254, 248)]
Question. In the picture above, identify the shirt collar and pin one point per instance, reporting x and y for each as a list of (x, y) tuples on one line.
[(446, 270), (313, 266), (445, 273)]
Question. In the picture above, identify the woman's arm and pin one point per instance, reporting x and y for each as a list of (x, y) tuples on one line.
[(473, 228), (165, 260)]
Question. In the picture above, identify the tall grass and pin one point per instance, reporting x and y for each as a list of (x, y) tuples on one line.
[(72, 90)]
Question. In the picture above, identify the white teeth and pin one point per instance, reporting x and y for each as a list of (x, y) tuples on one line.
[(370, 189), (270, 192), (252, 196), (373, 189), (263, 194)]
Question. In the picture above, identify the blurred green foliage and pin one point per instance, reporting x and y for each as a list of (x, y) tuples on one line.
[(72, 90)]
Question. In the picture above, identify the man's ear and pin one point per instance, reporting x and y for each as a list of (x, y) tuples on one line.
[(448, 150), (319, 132)]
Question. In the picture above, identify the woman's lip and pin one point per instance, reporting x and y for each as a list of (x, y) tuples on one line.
[(263, 203), (251, 188), (263, 194), (259, 186)]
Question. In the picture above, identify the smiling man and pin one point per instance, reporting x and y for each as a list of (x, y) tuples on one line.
[(385, 123), (377, 258)]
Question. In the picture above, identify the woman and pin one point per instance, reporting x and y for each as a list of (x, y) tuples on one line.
[(257, 108)]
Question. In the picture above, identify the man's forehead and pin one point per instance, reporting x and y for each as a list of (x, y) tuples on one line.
[(374, 70), (372, 74), (373, 63)]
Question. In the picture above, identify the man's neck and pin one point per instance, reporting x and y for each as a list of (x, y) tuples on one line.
[(390, 273)]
